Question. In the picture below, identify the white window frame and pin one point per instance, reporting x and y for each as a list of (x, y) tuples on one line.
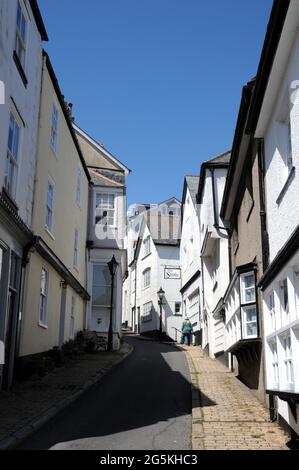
[(274, 363), (147, 312), (12, 156), (54, 127), (246, 322), (288, 361), (147, 246), (285, 307), (146, 275), (44, 292), (73, 318), (21, 36), (49, 209), (245, 289), (79, 187), (102, 207), (94, 284), (76, 248), (272, 311)]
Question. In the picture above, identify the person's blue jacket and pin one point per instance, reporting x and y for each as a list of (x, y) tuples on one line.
[(187, 327)]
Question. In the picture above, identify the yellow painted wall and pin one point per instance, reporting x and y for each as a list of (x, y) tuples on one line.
[(34, 337), (62, 168), (63, 171)]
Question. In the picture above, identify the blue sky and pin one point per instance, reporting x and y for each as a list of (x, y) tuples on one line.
[(158, 82)]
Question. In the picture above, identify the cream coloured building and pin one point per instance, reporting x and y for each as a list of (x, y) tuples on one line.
[(106, 236), (22, 33), (54, 294)]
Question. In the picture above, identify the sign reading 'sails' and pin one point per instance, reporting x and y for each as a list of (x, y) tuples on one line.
[(172, 273)]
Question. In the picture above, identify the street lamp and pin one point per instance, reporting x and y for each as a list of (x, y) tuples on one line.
[(161, 294), (112, 265)]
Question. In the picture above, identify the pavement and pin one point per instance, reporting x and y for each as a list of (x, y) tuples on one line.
[(226, 415), (31, 404), (144, 404)]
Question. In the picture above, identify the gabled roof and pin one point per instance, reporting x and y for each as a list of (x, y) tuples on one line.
[(274, 31), (164, 230), (102, 149), (239, 152), (221, 161), (192, 183), (171, 200), (222, 158)]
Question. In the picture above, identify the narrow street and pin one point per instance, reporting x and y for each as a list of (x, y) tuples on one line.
[(145, 403)]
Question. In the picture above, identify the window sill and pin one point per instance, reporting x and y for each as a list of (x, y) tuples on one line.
[(49, 233), (42, 325), (20, 69), (286, 186)]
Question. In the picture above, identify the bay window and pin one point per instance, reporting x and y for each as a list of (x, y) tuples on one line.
[(101, 287), (274, 362), (248, 288), (249, 322), (288, 362), (249, 309), (105, 209), (284, 301), (272, 311)]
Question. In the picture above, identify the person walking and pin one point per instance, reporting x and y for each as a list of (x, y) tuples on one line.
[(187, 331)]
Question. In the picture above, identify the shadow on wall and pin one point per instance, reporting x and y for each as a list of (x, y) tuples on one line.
[(249, 368)]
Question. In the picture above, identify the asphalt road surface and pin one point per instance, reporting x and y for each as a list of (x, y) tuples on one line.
[(143, 404)]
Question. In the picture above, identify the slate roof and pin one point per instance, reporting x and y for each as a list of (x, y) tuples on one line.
[(106, 178), (192, 183), (223, 158), (164, 229)]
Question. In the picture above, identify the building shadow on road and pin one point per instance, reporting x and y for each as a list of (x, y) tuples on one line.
[(151, 386)]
